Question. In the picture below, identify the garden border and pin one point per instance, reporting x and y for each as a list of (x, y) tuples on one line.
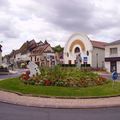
[(14, 98)]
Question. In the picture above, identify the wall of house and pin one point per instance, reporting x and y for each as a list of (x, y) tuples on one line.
[(43, 59), (5, 60), (18, 57), (49, 49), (118, 66), (109, 55), (25, 57), (98, 58), (107, 51), (107, 66)]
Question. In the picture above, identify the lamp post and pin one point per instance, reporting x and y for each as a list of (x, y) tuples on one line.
[(97, 60), (1, 53)]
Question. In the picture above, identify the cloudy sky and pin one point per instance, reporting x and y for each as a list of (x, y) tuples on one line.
[(54, 20)]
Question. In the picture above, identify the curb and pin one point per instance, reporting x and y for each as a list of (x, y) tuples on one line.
[(13, 98)]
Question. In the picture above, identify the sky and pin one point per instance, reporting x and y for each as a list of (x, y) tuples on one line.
[(55, 20)]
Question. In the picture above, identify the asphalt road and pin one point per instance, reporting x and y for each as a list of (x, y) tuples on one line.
[(109, 76), (14, 112), (18, 73)]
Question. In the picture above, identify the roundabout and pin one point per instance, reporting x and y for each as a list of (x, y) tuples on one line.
[(15, 91)]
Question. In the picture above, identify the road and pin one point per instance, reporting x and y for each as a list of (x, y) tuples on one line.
[(109, 76), (18, 73), (14, 112)]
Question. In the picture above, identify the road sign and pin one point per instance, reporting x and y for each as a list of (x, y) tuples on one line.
[(85, 59), (114, 75)]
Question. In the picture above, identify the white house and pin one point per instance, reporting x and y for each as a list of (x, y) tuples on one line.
[(22, 55), (92, 52), (112, 56), (43, 55)]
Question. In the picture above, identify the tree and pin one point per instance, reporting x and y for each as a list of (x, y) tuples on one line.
[(58, 48)]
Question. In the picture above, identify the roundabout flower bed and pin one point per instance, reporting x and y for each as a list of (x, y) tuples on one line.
[(64, 77)]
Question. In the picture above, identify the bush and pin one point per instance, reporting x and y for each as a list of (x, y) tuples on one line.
[(65, 76)]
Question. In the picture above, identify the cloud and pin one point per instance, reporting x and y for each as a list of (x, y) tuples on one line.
[(54, 20), (7, 26)]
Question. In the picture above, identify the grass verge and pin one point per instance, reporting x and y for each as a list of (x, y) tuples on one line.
[(15, 85)]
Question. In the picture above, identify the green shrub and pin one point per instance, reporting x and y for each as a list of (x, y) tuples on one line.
[(66, 76)]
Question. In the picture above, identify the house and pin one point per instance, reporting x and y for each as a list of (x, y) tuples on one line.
[(21, 55), (43, 54), (92, 52), (58, 54), (112, 56)]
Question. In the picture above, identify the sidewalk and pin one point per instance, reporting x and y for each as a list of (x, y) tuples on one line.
[(58, 103)]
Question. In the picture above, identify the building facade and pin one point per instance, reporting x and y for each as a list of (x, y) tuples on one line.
[(21, 55), (92, 52), (112, 56), (43, 55)]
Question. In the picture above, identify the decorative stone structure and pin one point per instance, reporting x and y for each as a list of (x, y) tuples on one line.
[(92, 52)]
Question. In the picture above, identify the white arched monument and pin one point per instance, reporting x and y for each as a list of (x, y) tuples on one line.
[(78, 43)]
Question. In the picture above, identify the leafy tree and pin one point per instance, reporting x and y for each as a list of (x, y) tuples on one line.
[(58, 48)]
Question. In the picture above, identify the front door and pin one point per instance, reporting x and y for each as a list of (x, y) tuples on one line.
[(113, 66)]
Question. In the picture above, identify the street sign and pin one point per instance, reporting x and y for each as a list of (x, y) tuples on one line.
[(114, 75), (85, 59)]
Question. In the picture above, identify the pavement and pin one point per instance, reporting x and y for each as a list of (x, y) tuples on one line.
[(17, 99)]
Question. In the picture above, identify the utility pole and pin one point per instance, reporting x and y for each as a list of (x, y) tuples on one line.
[(97, 59), (1, 53)]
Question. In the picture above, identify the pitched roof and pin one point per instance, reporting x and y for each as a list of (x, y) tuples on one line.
[(98, 44), (40, 48), (114, 43), (27, 46)]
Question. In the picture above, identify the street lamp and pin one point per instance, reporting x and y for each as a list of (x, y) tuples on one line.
[(97, 60)]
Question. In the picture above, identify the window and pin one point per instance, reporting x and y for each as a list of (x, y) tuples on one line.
[(35, 58), (67, 54), (69, 62), (77, 50), (87, 53), (75, 62), (113, 51)]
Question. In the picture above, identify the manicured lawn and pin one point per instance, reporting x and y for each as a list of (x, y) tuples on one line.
[(15, 85)]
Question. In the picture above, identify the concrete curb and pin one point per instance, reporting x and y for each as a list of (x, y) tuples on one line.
[(13, 98)]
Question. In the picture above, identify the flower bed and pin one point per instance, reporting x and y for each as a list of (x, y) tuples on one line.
[(66, 77)]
